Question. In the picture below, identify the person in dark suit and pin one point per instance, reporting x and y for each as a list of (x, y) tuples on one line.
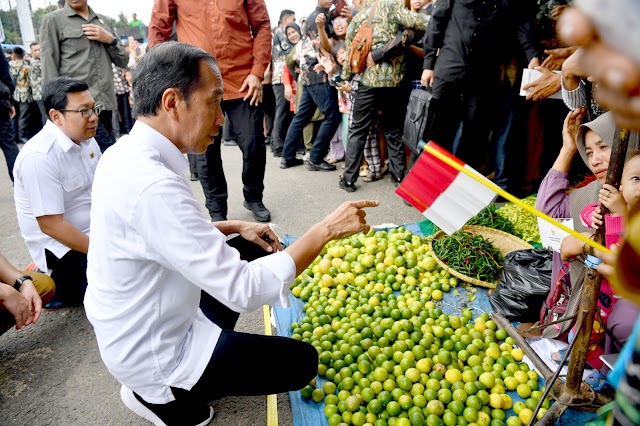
[(7, 112)]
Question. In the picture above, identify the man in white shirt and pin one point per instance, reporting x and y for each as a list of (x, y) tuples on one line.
[(153, 253), (53, 178)]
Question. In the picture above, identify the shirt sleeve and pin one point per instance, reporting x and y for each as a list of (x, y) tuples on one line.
[(162, 19), (553, 199), (50, 49), (575, 98), (42, 185), (190, 245), (407, 18), (434, 35), (261, 30), (117, 53)]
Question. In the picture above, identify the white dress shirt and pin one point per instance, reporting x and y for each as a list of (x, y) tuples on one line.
[(151, 253), (53, 175)]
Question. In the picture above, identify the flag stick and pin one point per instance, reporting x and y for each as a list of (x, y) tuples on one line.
[(513, 199)]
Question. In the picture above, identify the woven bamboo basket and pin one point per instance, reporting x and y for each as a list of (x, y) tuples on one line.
[(503, 241)]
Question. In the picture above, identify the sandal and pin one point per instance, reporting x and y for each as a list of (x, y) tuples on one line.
[(364, 171), (598, 382), (371, 177)]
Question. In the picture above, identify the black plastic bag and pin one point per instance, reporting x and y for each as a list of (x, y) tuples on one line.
[(524, 286)]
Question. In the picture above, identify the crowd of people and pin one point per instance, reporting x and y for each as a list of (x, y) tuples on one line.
[(89, 209)]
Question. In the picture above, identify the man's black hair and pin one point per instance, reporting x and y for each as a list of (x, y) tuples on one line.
[(168, 65), (54, 92), (35, 43), (18, 51), (285, 13)]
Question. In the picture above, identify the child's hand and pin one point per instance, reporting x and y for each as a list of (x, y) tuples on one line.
[(612, 199), (344, 87), (596, 218)]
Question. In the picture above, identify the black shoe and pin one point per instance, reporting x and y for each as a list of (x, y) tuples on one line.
[(277, 154), (194, 177), (217, 217), (229, 143), (181, 412), (323, 166), (396, 181), (260, 212), (302, 152), (285, 164), (347, 186)]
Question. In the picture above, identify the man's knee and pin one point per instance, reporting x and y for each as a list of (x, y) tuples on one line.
[(45, 286), (306, 356)]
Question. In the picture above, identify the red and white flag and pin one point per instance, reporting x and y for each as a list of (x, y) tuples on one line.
[(444, 195)]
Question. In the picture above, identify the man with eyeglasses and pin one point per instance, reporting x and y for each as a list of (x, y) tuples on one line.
[(53, 177)]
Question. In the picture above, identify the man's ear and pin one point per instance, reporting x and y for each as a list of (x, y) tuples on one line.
[(56, 116), (171, 100)]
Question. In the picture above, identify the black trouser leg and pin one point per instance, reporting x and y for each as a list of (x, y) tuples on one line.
[(269, 108), (125, 113), (364, 114), (104, 133), (247, 124), (478, 116), (7, 142), (291, 364), (282, 119), (393, 111), (193, 167), (448, 113), (23, 122), (70, 275), (44, 115), (211, 176)]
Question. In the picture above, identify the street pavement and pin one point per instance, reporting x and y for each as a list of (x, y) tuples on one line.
[(51, 372)]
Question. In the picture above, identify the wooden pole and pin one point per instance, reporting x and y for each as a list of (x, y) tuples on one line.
[(593, 280)]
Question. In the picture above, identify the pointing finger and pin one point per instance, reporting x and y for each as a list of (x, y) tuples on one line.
[(365, 203)]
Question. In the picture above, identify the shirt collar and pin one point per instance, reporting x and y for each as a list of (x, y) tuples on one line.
[(170, 155), (59, 137), (70, 12)]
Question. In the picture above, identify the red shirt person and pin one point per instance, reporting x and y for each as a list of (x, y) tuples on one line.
[(238, 34)]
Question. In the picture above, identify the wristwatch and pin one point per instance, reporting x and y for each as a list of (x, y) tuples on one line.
[(113, 42), (20, 280)]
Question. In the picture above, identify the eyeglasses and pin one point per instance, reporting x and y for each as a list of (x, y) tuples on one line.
[(87, 112)]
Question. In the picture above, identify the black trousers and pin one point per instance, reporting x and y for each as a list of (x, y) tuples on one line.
[(282, 119), (124, 109), (269, 106), (44, 114), (473, 105), (366, 103), (70, 275), (287, 364), (246, 121), (104, 133), (8, 142)]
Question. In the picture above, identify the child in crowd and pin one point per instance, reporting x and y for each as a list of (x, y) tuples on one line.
[(618, 202)]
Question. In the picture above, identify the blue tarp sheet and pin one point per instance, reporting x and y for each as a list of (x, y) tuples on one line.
[(310, 413)]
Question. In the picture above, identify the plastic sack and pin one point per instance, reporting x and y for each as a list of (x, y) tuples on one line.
[(524, 286)]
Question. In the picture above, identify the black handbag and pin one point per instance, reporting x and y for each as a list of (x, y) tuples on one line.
[(418, 118)]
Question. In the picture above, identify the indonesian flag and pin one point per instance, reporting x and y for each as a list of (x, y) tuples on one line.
[(444, 195)]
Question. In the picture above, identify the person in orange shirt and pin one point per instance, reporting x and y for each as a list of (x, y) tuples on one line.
[(238, 34)]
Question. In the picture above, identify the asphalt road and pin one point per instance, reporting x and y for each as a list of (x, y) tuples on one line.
[(51, 373)]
